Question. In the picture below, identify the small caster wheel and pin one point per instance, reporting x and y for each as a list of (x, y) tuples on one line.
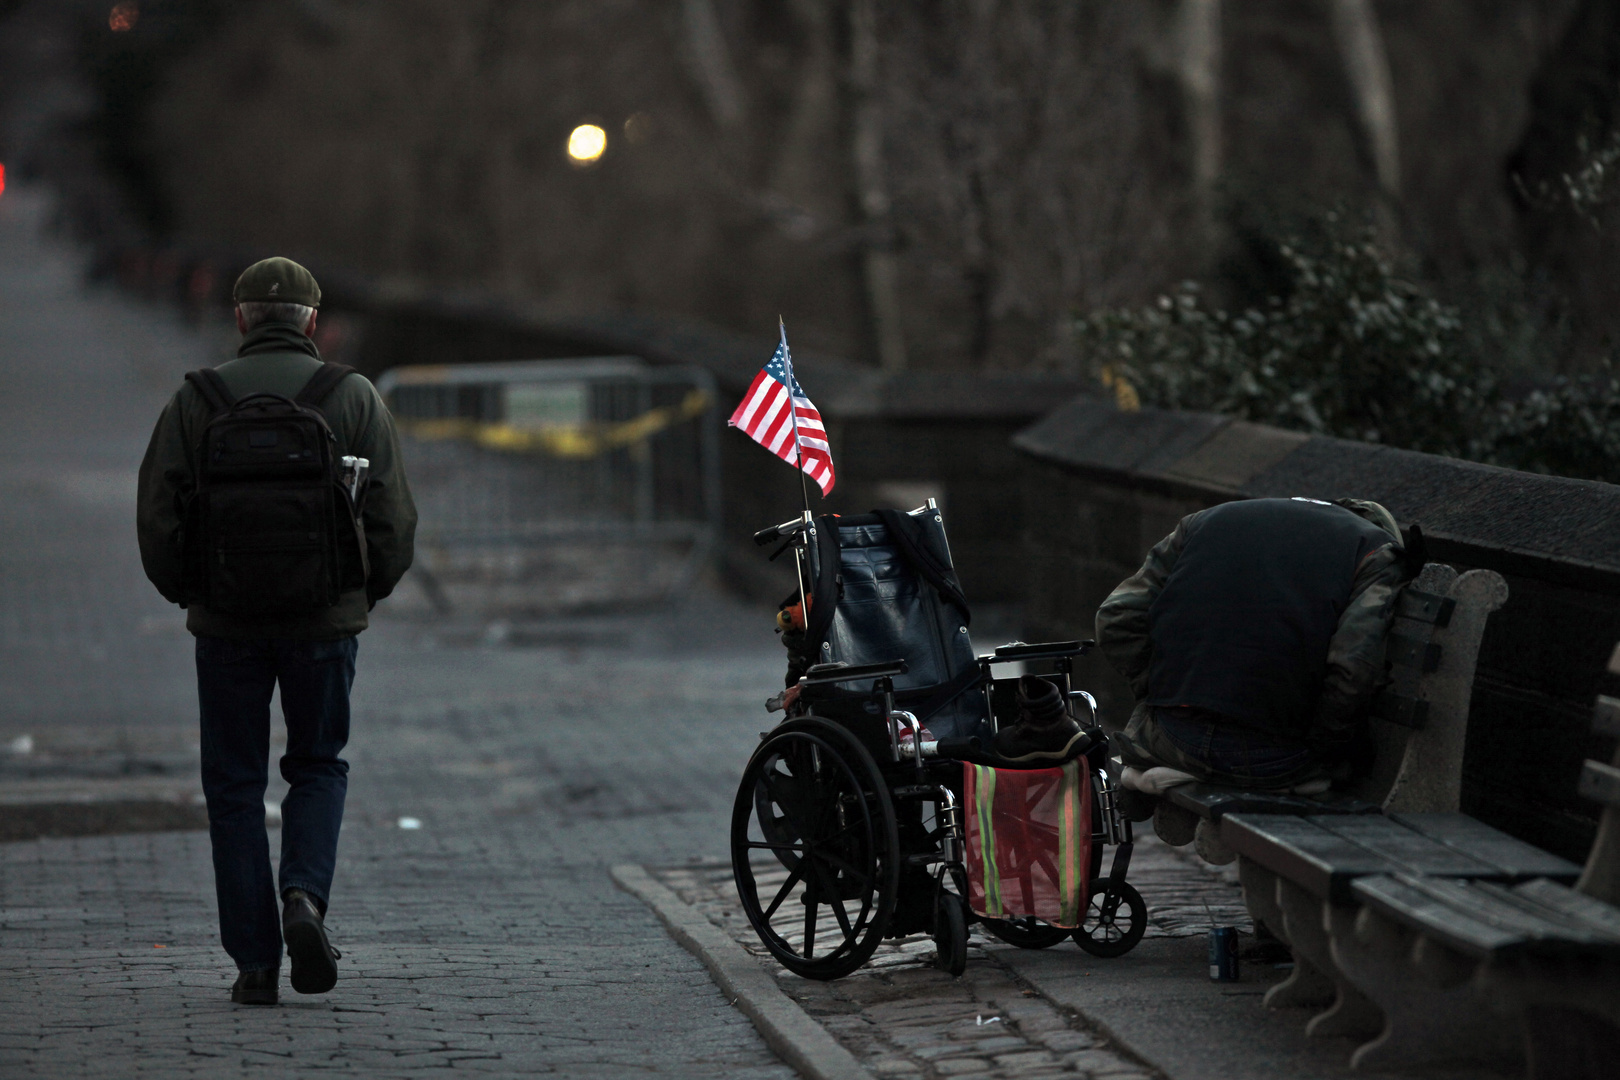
[(1112, 926), (950, 932)]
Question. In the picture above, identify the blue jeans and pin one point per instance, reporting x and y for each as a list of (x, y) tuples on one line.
[(1229, 750), (235, 679)]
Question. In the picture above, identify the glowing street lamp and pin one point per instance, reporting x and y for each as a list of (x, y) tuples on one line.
[(586, 143)]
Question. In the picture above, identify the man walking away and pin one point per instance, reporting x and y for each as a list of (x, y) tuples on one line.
[(273, 507)]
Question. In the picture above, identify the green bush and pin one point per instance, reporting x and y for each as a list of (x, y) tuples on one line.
[(1569, 428), (1352, 350)]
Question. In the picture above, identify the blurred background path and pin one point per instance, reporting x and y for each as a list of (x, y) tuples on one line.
[(490, 936)]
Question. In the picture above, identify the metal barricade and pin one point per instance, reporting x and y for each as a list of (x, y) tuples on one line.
[(555, 485)]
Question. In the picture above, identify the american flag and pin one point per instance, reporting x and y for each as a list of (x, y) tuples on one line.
[(764, 416)]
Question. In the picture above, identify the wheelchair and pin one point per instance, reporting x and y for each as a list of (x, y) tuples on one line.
[(848, 823)]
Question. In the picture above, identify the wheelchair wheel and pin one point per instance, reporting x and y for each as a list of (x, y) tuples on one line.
[(950, 932), (1026, 933), (1112, 933), (815, 849)]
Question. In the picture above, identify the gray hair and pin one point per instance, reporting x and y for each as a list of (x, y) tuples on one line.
[(255, 312)]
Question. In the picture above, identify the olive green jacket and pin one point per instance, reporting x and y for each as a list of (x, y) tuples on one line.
[(277, 358), (1355, 661)]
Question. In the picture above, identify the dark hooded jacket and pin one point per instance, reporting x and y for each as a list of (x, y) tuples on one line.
[(278, 358), (1270, 612)]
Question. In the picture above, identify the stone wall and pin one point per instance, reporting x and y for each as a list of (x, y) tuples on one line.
[(1101, 487)]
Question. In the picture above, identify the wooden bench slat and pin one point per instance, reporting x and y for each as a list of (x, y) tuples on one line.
[(1412, 652), (1589, 911), (1486, 920), (1425, 607), (1303, 852), (1400, 709), (1514, 859), (1400, 899), (1606, 715), (1600, 783), (1214, 802), (1407, 848)]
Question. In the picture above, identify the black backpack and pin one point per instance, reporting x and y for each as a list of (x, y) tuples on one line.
[(271, 528)]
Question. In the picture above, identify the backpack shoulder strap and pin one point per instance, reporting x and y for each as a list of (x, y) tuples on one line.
[(825, 588), (322, 383), (907, 536), (213, 389)]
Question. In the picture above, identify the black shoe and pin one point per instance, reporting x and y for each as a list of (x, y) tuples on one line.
[(1056, 743), (256, 987), (314, 967), (1045, 731)]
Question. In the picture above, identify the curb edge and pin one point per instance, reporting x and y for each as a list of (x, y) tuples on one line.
[(787, 1029)]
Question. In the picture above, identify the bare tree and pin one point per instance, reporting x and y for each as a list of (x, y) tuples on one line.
[(878, 259), (1361, 44), (711, 60), (1199, 33)]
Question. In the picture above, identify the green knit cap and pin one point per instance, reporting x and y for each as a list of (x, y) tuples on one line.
[(277, 281), (1375, 513)]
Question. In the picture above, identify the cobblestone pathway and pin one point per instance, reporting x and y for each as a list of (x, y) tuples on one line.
[(902, 1017), (491, 937)]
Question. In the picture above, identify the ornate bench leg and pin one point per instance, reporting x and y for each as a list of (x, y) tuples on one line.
[(1433, 1009), (1305, 987), (1305, 916)]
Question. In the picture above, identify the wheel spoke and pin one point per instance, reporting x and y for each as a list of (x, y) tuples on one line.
[(797, 849), (809, 927), (787, 886), (787, 813), (831, 890)]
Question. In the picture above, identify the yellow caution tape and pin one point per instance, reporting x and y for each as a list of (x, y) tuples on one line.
[(563, 440)]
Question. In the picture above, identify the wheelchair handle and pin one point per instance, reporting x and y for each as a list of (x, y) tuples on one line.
[(777, 532)]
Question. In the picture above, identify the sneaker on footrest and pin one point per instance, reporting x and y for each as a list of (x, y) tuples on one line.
[(1045, 731), (1154, 781)]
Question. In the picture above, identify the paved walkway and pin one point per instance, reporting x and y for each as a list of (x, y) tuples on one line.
[(491, 937)]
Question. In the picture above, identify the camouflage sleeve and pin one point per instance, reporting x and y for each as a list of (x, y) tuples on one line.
[(1355, 662), (1122, 620), (164, 483)]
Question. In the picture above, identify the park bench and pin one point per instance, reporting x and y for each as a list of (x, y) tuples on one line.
[(1444, 939), (1298, 853), (1448, 960), (1422, 715), (1300, 876)]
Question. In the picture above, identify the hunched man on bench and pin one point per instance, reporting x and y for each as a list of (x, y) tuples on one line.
[(1253, 639)]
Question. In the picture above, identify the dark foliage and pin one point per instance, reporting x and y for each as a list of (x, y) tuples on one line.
[(1353, 350)]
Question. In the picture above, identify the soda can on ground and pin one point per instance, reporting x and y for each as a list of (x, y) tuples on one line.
[(1223, 953)]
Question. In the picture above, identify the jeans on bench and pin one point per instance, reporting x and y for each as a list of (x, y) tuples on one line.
[(1214, 749)]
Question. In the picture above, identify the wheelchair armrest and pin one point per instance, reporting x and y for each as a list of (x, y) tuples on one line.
[(821, 674), (1050, 650)]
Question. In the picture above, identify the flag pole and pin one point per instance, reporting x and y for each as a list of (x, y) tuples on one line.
[(798, 447), (804, 487)]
